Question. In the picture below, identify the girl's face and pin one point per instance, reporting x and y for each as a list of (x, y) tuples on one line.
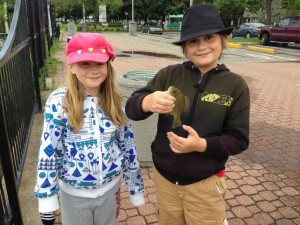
[(204, 51), (90, 74)]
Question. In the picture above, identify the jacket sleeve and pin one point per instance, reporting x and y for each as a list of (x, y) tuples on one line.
[(235, 134), (49, 157), (133, 105), (131, 173)]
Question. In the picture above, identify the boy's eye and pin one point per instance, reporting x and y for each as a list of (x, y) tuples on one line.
[(209, 37)]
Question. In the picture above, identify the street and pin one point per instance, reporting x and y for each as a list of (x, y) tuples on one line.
[(290, 53)]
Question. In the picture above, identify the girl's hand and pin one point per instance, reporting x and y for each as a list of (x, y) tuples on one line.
[(193, 143), (158, 102)]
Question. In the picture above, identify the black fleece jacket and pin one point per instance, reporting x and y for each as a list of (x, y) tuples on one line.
[(219, 108)]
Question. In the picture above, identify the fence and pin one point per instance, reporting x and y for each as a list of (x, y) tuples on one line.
[(21, 58)]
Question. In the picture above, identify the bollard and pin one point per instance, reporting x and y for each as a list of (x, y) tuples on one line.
[(144, 130)]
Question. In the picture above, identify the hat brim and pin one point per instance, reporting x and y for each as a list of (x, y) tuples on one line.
[(202, 33), (87, 56)]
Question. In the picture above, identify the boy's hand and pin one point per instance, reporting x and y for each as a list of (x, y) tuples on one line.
[(158, 102), (193, 143)]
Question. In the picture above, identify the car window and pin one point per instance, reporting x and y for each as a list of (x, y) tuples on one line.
[(294, 21), (284, 22)]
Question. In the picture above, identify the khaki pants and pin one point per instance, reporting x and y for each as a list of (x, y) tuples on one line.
[(201, 203)]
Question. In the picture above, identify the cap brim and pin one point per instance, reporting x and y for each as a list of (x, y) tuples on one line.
[(87, 56), (202, 33)]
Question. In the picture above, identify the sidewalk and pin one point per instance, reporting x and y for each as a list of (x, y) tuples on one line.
[(263, 182)]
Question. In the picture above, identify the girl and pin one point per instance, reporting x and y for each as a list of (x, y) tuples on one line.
[(189, 160), (87, 141)]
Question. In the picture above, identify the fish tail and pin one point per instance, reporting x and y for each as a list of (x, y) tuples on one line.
[(176, 124)]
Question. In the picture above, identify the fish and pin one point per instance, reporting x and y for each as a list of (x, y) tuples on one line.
[(181, 104)]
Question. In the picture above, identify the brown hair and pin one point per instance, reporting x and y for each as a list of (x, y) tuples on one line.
[(110, 101)]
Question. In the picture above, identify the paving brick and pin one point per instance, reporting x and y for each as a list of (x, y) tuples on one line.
[(290, 191), (245, 200), (248, 189), (270, 186), (147, 209), (266, 206), (233, 175), (136, 220), (268, 195), (263, 218), (289, 200), (251, 221), (285, 222), (288, 212), (151, 219), (241, 211)]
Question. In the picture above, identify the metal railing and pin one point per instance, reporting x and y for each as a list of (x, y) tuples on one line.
[(21, 58)]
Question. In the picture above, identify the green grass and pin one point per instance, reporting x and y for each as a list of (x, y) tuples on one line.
[(244, 40), (51, 63)]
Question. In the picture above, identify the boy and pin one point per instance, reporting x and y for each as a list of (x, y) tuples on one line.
[(189, 160)]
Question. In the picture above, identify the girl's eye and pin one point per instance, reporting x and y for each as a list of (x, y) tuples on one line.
[(84, 63)]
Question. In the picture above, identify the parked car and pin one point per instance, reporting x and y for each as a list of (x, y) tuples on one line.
[(286, 30), (247, 30), (152, 28)]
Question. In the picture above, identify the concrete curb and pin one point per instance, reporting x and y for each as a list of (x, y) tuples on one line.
[(234, 45), (265, 50), (253, 48)]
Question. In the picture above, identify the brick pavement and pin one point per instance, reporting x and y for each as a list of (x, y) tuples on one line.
[(264, 181)]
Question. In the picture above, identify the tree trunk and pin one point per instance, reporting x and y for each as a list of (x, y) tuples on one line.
[(268, 11), (96, 13)]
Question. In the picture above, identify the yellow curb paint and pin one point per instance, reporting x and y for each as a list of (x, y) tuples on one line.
[(234, 45), (265, 50)]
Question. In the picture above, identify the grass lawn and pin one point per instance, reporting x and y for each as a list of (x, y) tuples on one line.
[(243, 40)]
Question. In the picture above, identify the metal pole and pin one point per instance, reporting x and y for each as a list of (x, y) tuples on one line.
[(132, 11)]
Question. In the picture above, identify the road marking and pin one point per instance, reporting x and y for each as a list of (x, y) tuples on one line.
[(285, 58), (260, 56)]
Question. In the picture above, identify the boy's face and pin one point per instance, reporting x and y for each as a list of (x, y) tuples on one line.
[(90, 74), (204, 51)]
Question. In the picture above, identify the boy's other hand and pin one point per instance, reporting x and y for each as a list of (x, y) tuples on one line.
[(158, 102), (193, 142)]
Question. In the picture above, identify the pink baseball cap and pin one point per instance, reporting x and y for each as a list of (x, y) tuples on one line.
[(89, 47)]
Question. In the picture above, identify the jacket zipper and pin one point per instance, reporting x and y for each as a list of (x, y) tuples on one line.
[(190, 118)]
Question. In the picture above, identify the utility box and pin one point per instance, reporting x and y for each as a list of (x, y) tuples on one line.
[(144, 130)]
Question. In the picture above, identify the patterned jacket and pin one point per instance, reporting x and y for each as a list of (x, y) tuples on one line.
[(88, 162)]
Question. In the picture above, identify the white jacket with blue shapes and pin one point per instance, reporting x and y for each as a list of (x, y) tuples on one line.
[(87, 163)]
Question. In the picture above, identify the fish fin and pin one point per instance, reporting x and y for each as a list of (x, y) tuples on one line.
[(176, 124), (186, 103)]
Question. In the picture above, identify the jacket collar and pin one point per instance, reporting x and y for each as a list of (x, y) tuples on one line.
[(220, 67)]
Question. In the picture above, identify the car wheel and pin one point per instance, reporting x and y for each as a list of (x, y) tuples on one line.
[(265, 39), (248, 35)]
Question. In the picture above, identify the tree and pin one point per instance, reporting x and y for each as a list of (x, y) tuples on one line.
[(268, 11)]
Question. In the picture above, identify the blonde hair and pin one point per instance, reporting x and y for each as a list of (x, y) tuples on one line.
[(110, 101)]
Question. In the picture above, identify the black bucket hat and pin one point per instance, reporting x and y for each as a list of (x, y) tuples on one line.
[(199, 20)]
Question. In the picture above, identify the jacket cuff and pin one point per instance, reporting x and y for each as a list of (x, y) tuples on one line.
[(137, 199), (212, 147), (48, 204)]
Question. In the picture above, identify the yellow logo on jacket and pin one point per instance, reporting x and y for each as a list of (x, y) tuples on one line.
[(217, 99)]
